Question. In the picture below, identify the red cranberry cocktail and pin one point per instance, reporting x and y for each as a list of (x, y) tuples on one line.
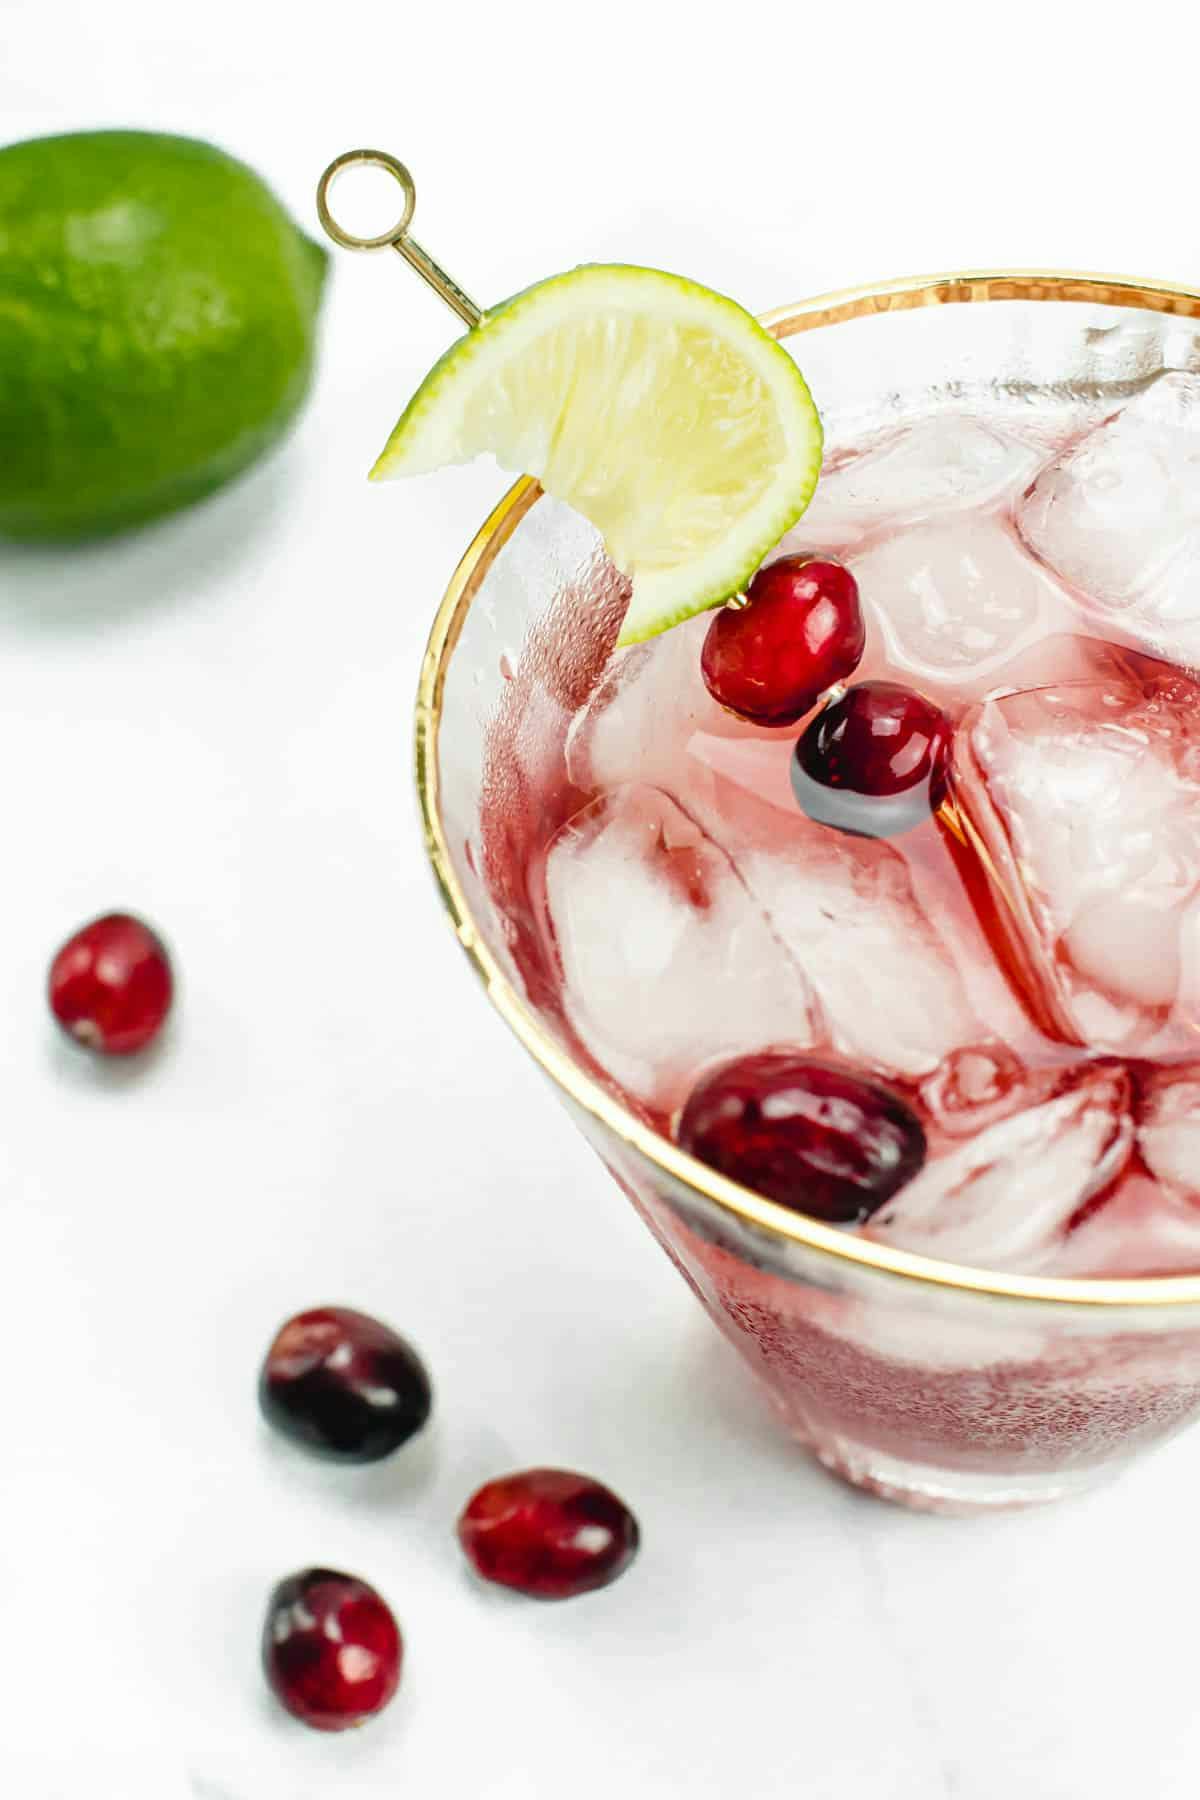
[(859, 921)]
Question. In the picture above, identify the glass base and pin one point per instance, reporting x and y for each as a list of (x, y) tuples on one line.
[(926, 1487)]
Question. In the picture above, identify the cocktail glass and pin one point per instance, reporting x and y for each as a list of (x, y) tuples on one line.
[(946, 1387)]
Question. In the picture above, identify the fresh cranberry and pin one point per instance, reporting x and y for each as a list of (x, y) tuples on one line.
[(548, 1533), (799, 629), (873, 762), (342, 1384), (331, 1649), (807, 1134), (111, 985)]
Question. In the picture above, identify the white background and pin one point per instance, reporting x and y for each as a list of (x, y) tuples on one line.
[(210, 724)]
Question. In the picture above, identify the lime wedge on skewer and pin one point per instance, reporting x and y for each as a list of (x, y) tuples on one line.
[(661, 411)]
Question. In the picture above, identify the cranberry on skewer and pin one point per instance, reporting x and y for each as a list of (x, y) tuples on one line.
[(770, 657)]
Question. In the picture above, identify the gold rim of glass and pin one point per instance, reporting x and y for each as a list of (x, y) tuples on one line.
[(807, 315)]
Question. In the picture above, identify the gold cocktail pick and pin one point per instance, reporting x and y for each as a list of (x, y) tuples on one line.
[(398, 237)]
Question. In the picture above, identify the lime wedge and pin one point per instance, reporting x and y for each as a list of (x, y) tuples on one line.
[(661, 411)]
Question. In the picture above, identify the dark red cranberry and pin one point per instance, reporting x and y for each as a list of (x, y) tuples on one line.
[(798, 631), (331, 1649), (807, 1134), (110, 985), (873, 762), (548, 1533), (343, 1385)]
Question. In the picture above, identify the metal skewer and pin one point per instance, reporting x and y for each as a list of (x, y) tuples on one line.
[(397, 238)]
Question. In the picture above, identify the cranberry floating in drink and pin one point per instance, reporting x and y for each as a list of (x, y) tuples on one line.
[(873, 761), (548, 1533), (800, 628), (331, 1649), (111, 985), (344, 1386), (813, 1136)]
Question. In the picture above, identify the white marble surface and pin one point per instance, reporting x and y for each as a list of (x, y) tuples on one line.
[(211, 724)]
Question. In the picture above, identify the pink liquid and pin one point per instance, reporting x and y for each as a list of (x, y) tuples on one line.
[(1024, 970)]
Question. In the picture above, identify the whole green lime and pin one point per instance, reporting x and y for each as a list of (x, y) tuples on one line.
[(157, 320)]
